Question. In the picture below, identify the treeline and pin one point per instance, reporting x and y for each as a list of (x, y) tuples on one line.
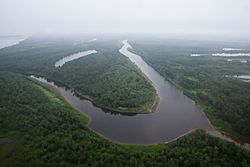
[(46, 131), (225, 100), (108, 77)]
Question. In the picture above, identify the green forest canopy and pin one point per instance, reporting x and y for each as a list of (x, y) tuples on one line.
[(46, 131)]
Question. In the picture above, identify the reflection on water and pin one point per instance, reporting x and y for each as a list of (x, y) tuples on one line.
[(175, 115)]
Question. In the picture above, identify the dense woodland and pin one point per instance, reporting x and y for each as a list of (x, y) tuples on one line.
[(226, 100), (45, 131), (107, 77)]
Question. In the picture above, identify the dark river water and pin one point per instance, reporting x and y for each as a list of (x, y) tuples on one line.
[(174, 116)]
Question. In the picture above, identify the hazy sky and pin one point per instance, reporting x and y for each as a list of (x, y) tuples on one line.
[(177, 16)]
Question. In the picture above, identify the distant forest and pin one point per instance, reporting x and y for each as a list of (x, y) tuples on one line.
[(226, 100), (121, 86)]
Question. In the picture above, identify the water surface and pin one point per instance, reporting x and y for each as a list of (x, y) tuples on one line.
[(6, 41), (64, 60), (245, 78), (175, 115)]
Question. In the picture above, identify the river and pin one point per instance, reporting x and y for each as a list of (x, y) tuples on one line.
[(175, 115), (6, 41), (72, 57)]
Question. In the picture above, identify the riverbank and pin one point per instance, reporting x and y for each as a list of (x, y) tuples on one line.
[(123, 50), (221, 129), (109, 79), (120, 110), (86, 120), (174, 115), (148, 108), (47, 131), (183, 67)]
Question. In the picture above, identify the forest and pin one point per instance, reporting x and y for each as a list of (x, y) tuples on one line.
[(44, 130), (109, 79), (225, 100)]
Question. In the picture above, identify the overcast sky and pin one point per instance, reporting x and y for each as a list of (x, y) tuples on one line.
[(147, 16)]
